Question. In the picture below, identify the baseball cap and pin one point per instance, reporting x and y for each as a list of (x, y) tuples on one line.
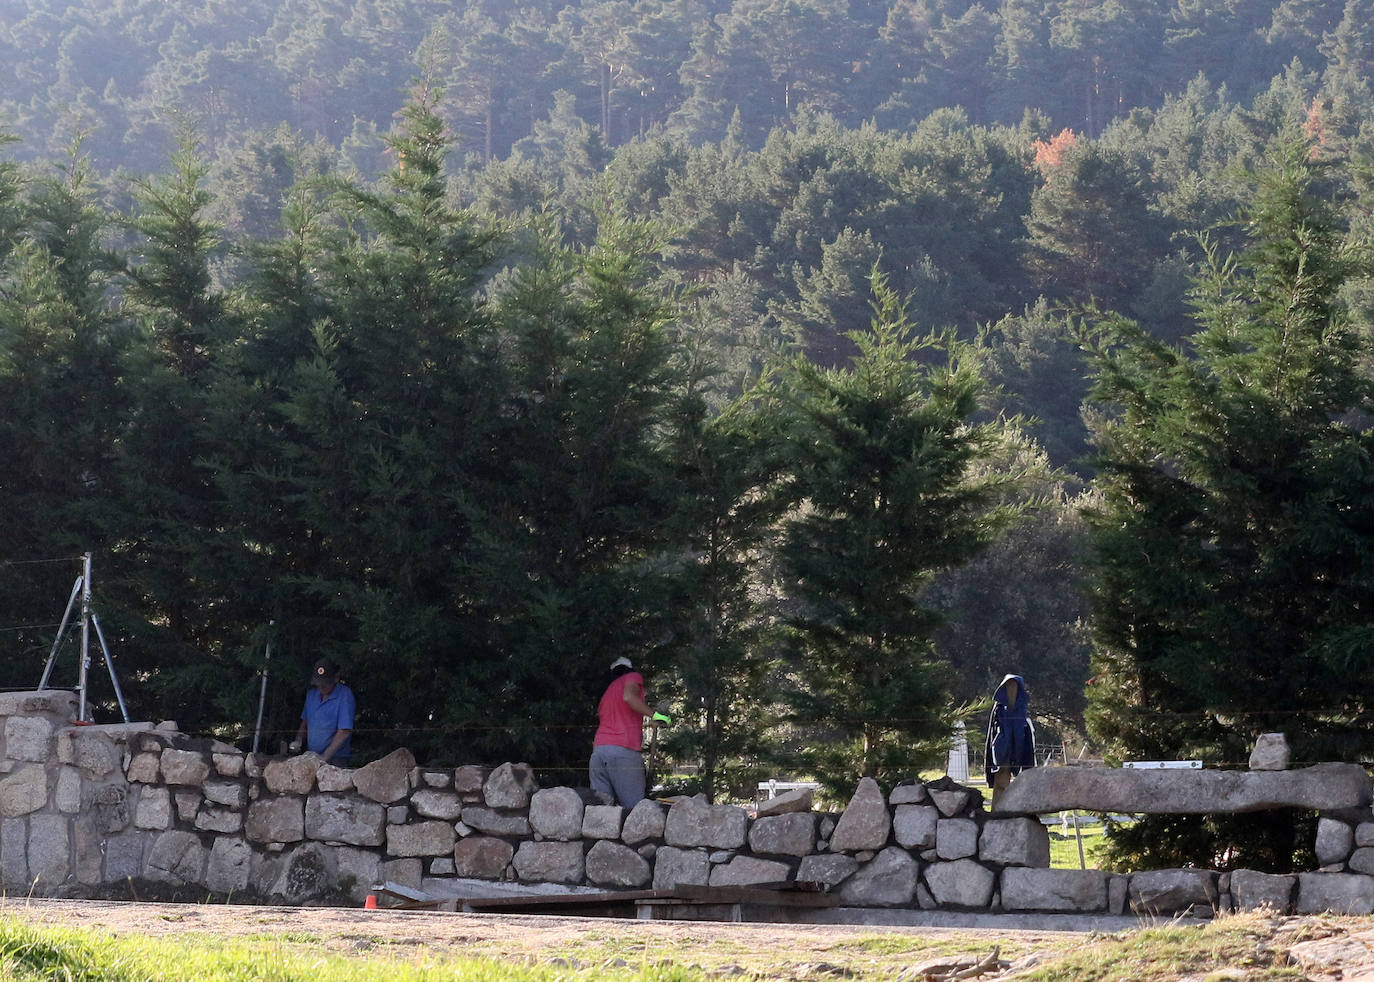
[(622, 660), (325, 671)]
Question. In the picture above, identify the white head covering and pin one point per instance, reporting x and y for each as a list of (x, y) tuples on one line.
[(622, 660)]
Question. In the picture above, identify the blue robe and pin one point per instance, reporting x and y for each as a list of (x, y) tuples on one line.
[(1011, 737)]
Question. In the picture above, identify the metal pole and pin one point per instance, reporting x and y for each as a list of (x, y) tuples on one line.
[(85, 634), (109, 663), (262, 692), (61, 631)]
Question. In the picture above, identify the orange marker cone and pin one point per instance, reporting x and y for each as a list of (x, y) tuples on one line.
[(371, 902)]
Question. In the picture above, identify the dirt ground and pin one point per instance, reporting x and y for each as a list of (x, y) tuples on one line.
[(794, 951), (1321, 948)]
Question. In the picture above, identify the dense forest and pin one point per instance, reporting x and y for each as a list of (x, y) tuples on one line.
[(798, 349)]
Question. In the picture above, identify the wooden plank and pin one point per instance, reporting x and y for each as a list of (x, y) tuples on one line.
[(564, 900), (755, 895)]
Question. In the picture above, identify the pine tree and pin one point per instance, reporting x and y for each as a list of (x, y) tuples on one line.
[(884, 464), (1233, 552)]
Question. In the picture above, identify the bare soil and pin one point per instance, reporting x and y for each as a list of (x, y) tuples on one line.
[(1321, 948), (777, 950)]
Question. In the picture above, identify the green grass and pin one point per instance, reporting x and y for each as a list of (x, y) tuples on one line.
[(1064, 846), (44, 954), (1230, 948), (1242, 946)]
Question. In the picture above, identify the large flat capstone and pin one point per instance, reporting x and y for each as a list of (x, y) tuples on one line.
[(1173, 791)]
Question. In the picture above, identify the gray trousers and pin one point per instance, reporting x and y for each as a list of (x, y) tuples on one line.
[(618, 771)]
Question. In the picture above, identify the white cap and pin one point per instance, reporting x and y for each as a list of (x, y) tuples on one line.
[(622, 660)]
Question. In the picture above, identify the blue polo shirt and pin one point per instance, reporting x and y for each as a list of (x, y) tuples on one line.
[(325, 716)]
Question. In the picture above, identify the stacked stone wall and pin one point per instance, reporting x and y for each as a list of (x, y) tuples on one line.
[(85, 807)]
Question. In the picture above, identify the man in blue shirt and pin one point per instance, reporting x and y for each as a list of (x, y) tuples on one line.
[(327, 719)]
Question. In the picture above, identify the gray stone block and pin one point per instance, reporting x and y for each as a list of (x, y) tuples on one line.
[(1271, 753), (831, 870), (492, 822), (468, 780), (865, 823), (58, 706), (1321, 787), (743, 871), (277, 819), (1059, 890), (789, 802), (908, 794), (187, 804), (14, 848), (1338, 893), (610, 864), (176, 857), (309, 871), (1335, 841), (482, 857), (154, 809), (602, 821), (1015, 842), (431, 803), (549, 862), (109, 808), (1251, 890), (386, 780), (421, 839), (332, 778), (145, 768), (124, 857), (406, 872), (510, 786), (951, 801), (693, 823), (184, 767), (227, 764), (437, 779), (294, 775), (956, 838), (357, 871), (345, 818), (229, 865), (225, 821), (67, 795), (28, 738), (556, 813), (673, 866), (1172, 891), (792, 834), (889, 880), (24, 791), (230, 794), (647, 820), (49, 849), (962, 884), (913, 826), (1117, 889)]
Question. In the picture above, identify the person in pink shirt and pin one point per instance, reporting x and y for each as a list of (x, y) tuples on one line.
[(617, 764)]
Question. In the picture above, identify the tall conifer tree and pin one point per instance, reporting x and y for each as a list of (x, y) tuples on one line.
[(884, 461), (1234, 549)]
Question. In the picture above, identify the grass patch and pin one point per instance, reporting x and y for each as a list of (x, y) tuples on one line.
[(1230, 947), (42, 954), (1064, 846)]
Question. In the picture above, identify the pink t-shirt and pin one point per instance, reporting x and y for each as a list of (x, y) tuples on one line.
[(620, 725)]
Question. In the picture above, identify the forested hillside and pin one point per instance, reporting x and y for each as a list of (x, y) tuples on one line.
[(475, 345)]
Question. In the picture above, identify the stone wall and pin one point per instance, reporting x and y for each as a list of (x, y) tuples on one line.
[(85, 807)]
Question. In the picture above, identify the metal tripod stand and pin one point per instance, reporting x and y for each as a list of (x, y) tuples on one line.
[(82, 588)]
